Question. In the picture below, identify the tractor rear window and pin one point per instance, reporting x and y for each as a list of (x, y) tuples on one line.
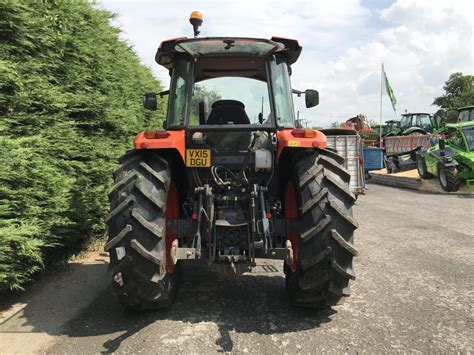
[(238, 99)]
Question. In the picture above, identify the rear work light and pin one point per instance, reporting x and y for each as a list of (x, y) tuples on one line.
[(304, 133), (159, 134)]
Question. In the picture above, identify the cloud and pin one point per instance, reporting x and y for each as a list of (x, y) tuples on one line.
[(420, 43)]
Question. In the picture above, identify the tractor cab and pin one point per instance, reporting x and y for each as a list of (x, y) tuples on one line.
[(231, 80), (391, 128), (415, 123), (230, 93), (460, 135), (466, 114)]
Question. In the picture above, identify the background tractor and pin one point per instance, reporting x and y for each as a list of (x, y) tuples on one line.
[(391, 128), (451, 159), (462, 114), (230, 179), (466, 114), (414, 123)]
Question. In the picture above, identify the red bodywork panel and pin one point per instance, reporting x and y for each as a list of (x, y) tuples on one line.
[(175, 140), (286, 139)]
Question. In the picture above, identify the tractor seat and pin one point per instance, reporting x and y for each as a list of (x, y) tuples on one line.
[(228, 111)]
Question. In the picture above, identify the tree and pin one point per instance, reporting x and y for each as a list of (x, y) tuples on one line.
[(335, 124), (70, 104), (459, 92), (199, 93)]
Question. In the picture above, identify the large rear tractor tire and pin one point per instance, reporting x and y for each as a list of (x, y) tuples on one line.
[(318, 210), (448, 178), (143, 232)]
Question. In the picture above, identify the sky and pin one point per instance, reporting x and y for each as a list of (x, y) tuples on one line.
[(420, 43)]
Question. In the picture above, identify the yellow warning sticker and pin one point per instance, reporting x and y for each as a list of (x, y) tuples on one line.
[(198, 158), (294, 143)]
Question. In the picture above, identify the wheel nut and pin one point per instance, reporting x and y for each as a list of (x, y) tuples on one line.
[(118, 278)]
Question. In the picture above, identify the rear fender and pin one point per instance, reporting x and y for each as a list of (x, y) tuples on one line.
[(172, 149), (420, 152), (174, 140), (412, 130), (448, 164), (285, 140)]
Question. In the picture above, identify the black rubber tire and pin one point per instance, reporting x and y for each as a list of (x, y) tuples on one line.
[(421, 167), (137, 225), (452, 182), (326, 229), (389, 166)]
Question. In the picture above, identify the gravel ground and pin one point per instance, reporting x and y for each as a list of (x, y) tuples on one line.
[(413, 292)]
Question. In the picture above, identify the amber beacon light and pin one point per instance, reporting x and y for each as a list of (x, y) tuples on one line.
[(196, 20)]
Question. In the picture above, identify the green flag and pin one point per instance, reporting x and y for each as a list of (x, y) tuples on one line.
[(387, 89)]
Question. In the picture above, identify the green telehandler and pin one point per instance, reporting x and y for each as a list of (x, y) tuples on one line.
[(450, 158)]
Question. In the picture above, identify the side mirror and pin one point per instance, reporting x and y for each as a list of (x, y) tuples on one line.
[(150, 102), (203, 110), (442, 147), (434, 141), (442, 144), (202, 115), (311, 98)]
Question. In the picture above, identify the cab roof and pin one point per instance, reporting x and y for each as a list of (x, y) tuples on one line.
[(227, 47), (461, 124), (416, 113)]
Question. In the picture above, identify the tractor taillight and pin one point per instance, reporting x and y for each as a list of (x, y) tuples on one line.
[(304, 133), (159, 134)]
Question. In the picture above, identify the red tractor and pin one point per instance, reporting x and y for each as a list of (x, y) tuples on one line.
[(230, 179)]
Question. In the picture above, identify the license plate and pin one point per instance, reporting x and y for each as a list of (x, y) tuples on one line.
[(198, 158)]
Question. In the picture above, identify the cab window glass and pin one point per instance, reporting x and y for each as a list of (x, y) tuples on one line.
[(464, 116), (424, 121), (247, 100), (455, 138), (469, 133), (282, 92), (178, 93)]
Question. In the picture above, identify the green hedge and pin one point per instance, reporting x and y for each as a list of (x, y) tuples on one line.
[(70, 104)]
